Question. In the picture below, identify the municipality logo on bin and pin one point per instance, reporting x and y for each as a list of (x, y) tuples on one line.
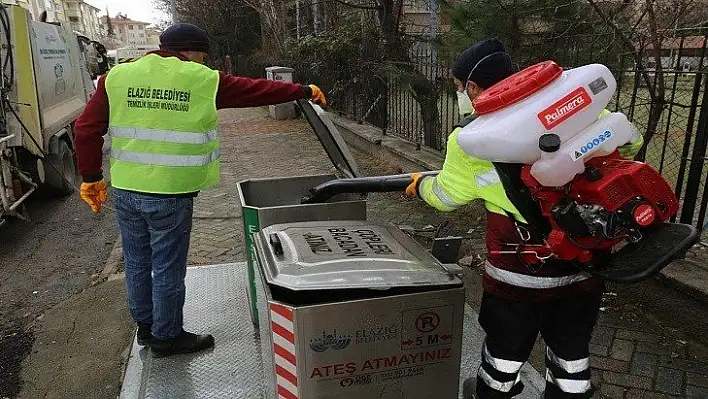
[(327, 341)]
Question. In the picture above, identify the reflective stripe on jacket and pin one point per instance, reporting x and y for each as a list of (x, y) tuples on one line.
[(163, 125)]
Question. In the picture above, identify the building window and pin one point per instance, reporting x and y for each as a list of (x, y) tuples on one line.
[(142, 35), (131, 27), (73, 19), (120, 30)]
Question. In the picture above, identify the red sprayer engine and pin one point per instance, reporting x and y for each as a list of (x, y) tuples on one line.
[(607, 206)]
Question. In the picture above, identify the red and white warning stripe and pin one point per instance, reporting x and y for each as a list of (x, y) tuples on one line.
[(283, 330)]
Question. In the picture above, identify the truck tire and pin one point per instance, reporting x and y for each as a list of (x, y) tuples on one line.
[(60, 170)]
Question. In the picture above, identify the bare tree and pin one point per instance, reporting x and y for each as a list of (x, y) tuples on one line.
[(642, 31), (234, 25), (396, 47)]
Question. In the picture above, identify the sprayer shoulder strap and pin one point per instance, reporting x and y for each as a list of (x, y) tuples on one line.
[(465, 121), (520, 197)]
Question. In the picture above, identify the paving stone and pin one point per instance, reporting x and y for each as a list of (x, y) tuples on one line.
[(612, 391), (608, 319), (644, 364), (602, 336), (596, 377), (698, 379), (635, 393), (654, 348), (683, 364), (669, 381), (599, 350), (622, 350), (627, 380), (694, 392), (606, 363), (637, 335)]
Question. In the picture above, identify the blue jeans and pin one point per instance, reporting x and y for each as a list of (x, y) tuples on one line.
[(155, 233)]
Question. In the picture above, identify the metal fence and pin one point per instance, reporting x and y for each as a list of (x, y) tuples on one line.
[(678, 144)]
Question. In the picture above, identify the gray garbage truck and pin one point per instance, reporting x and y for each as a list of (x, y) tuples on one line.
[(45, 84)]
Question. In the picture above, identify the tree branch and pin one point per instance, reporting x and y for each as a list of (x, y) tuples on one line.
[(627, 43), (656, 44), (356, 6)]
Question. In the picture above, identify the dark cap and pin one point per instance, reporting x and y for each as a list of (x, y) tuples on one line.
[(185, 37), (549, 142), (487, 61)]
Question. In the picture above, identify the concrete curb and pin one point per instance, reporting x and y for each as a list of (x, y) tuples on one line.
[(687, 276), (371, 140), (115, 259)]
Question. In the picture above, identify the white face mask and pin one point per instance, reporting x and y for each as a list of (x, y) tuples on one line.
[(464, 105)]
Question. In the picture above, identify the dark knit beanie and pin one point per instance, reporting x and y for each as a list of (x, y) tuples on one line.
[(184, 37), (492, 63)]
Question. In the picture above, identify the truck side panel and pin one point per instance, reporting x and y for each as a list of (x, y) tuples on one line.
[(62, 96), (24, 90)]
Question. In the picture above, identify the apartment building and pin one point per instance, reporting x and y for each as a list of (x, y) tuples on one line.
[(54, 8), (126, 31), (83, 18)]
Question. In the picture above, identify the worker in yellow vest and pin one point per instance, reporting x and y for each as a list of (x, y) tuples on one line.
[(555, 300), (161, 114)]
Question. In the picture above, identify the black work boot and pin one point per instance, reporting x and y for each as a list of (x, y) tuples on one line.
[(184, 343), (469, 388), (144, 334)]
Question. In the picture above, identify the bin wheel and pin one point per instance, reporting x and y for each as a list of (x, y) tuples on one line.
[(60, 171)]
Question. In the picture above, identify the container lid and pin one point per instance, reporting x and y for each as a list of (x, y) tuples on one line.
[(339, 255), (279, 69), (517, 87), (331, 140)]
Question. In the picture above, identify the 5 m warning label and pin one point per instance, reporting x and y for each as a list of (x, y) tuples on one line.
[(429, 327)]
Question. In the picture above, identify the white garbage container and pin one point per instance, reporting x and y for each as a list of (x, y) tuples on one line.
[(285, 110)]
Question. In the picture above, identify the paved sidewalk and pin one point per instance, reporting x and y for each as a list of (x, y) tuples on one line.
[(633, 355), (253, 146)]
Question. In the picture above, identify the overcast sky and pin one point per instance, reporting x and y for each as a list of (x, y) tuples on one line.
[(139, 10)]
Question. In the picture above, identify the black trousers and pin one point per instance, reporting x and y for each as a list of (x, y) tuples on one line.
[(512, 328)]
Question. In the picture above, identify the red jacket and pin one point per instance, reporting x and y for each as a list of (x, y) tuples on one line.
[(234, 92), (500, 231)]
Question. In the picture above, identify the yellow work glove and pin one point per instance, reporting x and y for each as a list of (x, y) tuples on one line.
[(412, 189), (95, 194), (318, 96)]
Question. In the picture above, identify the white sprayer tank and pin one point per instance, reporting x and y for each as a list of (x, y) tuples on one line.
[(545, 100)]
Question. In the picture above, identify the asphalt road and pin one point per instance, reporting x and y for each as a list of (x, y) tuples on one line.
[(43, 262)]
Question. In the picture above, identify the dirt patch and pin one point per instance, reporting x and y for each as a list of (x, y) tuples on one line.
[(44, 261), (80, 345), (15, 344)]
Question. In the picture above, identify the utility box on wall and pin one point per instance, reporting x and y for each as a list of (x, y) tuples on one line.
[(285, 110)]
